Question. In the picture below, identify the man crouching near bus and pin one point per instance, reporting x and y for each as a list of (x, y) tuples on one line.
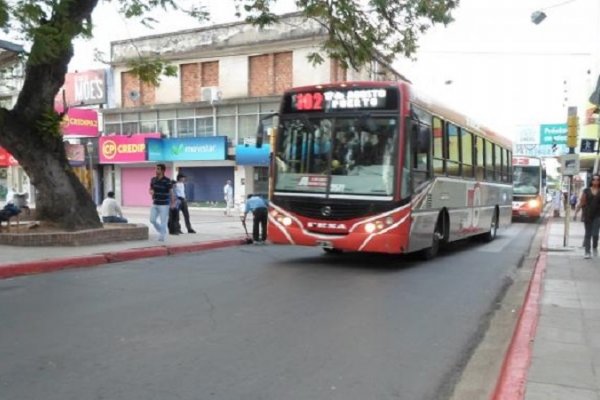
[(258, 207)]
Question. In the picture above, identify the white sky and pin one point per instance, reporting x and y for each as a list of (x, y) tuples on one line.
[(505, 71)]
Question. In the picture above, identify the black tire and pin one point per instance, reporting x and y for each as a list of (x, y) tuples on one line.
[(439, 238), (493, 232)]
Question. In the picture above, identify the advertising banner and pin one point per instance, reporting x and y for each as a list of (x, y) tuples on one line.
[(82, 89), (210, 148), (80, 122), (250, 155), (124, 149)]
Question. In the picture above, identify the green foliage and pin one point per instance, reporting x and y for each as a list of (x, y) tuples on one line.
[(358, 30), (150, 70), (48, 125)]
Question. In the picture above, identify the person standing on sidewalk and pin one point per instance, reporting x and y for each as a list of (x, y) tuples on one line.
[(590, 203), (180, 193), (163, 199), (228, 196), (258, 207)]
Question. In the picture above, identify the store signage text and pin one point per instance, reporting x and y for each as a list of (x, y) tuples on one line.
[(124, 149)]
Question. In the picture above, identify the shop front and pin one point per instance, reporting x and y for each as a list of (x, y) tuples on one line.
[(128, 171), (202, 159)]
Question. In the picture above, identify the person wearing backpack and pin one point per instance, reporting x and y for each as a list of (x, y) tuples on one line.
[(589, 202)]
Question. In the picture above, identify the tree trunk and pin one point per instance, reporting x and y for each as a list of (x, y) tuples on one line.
[(61, 198), (30, 131)]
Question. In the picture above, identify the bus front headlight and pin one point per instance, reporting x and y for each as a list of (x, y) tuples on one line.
[(370, 227), (533, 203)]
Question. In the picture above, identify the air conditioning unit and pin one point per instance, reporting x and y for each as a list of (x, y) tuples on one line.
[(212, 94)]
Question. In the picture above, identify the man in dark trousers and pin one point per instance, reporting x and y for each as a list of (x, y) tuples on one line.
[(183, 206), (258, 207)]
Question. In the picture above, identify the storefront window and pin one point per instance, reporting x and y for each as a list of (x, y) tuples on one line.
[(261, 181), (205, 126), (129, 128), (185, 127), (247, 127), (166, 127), (147, 126), (226, 127), (112, 128)]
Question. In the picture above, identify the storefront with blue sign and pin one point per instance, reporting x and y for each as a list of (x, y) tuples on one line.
[(203, 160)]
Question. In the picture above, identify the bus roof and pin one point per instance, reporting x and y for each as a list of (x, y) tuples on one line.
[(432, 106), (449, 114)]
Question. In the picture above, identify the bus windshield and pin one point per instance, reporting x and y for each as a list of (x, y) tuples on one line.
[(526, 180), (341, 155)]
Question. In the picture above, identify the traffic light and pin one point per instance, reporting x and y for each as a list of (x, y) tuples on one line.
[(572, 126)]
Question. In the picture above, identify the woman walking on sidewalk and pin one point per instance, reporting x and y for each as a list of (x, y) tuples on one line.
[(590, 202)]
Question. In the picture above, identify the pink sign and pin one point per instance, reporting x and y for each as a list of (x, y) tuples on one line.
[(80, 122), (124, 149)]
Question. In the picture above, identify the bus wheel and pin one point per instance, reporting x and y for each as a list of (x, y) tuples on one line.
[(437, 241), (491, 235)]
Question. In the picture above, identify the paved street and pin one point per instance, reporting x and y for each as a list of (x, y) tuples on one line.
[(254, 322)]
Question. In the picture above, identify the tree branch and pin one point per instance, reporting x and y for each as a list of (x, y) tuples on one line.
[(45, 70)]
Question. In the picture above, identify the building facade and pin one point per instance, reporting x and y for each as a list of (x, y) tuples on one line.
[(229, 76)]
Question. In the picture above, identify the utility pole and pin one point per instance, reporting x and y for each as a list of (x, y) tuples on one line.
[(572, 128)]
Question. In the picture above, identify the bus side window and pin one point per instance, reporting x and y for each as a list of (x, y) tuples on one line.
[(421, 144), (438, 147), (480, 159)]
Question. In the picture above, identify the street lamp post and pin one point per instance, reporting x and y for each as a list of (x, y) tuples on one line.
[(90, 148)]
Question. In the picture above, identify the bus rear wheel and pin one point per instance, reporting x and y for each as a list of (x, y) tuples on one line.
[(491, 235)]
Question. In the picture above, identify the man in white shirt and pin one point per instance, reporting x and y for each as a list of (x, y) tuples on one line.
[(180, 194), (228, 196), (111, 211)]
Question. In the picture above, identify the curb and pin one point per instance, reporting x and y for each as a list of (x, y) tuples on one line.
[(94, 260), (512, 381)]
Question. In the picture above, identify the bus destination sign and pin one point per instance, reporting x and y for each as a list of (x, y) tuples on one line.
[(340, 100)]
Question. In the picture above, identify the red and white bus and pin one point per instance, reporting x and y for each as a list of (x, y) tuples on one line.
[(529, 187), (374, 167)]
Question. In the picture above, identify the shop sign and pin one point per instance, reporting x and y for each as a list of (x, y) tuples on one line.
[(80, 122), (6, 159), (209, 148), (82, 88), (124, 149), (75, 154), (250, 155)]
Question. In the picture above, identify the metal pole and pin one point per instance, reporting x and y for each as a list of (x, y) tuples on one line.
[(597, 145), (89, 148), (567, 207)]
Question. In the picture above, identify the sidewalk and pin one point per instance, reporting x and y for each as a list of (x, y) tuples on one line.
[(213, 230), (555, 350), (565, 363)]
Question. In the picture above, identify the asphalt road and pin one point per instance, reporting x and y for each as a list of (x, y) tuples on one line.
[(253, 322)]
